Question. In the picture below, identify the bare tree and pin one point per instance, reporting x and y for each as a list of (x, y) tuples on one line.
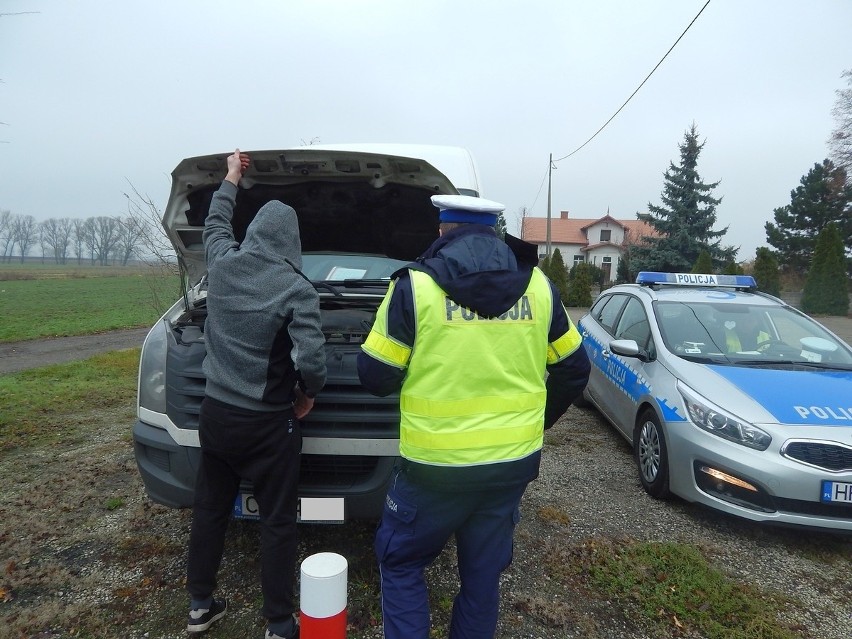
[(102, 237), (56, 235), (78, 237), (840, 142), (24, 233), (523, 214), (89, 237), (128, 240), (154, 246), (6, 240)]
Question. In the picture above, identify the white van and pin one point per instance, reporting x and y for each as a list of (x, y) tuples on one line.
[(364, 211)]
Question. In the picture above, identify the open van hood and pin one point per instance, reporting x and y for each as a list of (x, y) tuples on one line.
[(346, 201)]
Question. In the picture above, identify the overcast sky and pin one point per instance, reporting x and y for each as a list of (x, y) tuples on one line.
[(96, 95)]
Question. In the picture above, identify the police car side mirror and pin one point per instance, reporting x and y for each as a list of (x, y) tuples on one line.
[(629, 348)]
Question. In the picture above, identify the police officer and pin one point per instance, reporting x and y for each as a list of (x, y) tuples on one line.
[(476, 340), (745, 334)]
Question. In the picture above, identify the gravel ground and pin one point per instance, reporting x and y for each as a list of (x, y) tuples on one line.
[(80, 543), (83, 553)]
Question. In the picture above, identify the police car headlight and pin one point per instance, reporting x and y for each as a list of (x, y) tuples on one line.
[(707, 416)]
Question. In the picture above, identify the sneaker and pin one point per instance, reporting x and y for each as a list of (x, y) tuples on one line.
[(271, 635), (201, 619)]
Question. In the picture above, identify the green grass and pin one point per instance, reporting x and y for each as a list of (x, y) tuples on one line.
[(41, 406), (674, 586), (61, 306)]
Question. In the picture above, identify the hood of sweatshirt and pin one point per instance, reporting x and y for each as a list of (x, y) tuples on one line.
[(273, 234), (363, 199), (479, 270)]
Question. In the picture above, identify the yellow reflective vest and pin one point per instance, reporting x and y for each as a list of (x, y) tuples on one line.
[(474, 392), (732, 340)]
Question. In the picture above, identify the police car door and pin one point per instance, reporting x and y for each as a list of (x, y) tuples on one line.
[(598, 331), (629, 373)]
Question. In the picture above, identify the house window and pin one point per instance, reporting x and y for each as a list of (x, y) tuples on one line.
[(579, 259), (606, 235)]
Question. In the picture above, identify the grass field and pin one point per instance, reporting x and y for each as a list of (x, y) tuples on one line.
[(42, 406), (38, 302)]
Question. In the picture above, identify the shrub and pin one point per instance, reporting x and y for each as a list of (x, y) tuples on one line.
[(826, 288)]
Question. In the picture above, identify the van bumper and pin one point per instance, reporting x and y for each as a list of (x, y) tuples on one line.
[(168, 471)]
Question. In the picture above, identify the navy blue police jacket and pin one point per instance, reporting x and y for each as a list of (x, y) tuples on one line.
[(484, 273)]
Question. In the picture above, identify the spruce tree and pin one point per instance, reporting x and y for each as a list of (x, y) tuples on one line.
[(622, 272), (704, 263), (827, 287), (732, 268), (580, 289), (766, 272), (544, 265), (558, 273), (822, 198), (500, 227), (685, 220)]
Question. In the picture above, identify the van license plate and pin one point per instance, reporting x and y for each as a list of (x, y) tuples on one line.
[(836, 492), (245, 507), (327, 510)]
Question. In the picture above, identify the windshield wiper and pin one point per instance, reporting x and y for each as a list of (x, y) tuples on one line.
[(331, 285), (826, 366), (704, 359), (327, 287), (782, 363), (355, 283)]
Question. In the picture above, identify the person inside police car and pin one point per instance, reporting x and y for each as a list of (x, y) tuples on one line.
[(478, 343), (744, 333)]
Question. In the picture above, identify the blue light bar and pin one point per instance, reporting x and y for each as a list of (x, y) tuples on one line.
[(647, 278)]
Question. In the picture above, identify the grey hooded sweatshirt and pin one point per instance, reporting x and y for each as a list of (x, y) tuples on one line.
[(263, 331)]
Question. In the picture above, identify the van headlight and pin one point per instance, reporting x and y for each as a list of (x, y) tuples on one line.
[(152, 369), (707, 416)]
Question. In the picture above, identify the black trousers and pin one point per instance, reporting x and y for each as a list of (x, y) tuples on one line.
[(263, 448)]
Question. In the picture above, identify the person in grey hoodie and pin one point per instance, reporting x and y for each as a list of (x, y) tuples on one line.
[(265, 364)]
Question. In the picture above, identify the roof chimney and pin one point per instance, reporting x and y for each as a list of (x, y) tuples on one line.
[(563, 215)]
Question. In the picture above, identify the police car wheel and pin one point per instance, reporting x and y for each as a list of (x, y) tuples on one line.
[(651, 455)]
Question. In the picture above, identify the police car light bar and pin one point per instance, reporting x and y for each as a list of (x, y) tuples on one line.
[(649, 278)]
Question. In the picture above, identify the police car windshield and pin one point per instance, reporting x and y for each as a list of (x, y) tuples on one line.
[(746, 334)]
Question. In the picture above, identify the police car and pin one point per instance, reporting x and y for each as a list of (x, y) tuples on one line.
[(729, 397)]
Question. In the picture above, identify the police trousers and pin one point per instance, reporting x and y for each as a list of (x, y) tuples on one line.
[(263, 448), (416, 524)]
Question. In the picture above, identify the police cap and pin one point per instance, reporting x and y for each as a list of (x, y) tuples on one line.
[(467, 209)]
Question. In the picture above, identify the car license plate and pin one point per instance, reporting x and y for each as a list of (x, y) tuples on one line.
[(836, 492), (326, 510)]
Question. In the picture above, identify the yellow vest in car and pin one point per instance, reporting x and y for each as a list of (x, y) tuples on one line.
[(732, 340), (475, 388)]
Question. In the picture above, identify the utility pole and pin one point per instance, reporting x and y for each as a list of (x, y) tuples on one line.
[(549, 174)]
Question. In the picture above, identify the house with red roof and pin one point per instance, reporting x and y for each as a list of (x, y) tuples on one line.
[(599, 241)]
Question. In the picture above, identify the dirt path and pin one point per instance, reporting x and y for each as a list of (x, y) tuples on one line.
[(19, 356)]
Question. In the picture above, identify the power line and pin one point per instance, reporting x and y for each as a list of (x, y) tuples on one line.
[(637, 88), (540, 186)]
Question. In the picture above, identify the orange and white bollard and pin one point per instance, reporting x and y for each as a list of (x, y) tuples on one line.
[(322, 596)]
